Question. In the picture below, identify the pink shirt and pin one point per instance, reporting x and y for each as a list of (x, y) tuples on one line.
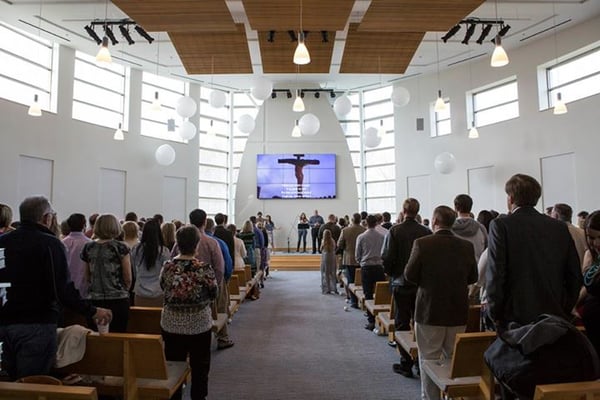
[(74, 243)]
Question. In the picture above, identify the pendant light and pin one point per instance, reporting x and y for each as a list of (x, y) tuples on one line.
[(296, 133), (119, 134), (34, 109), (559, 105), (298, 103), (473, 132), (440, 104), (103, 56), (212, 130), (301, 55), (499, 56)]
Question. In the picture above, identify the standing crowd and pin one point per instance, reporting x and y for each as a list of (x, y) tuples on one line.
[(518, 266), (53, 271)]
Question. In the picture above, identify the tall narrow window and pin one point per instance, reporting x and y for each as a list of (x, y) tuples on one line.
[(496, 103), (155, 122), (26, 67), (99, 93)]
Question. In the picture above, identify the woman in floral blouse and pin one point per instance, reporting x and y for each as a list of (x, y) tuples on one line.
[(189, 287)]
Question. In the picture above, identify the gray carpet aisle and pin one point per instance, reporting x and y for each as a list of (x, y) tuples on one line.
[(295, 343)]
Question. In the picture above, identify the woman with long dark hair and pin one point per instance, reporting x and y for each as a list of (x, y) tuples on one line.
[(148, 256)]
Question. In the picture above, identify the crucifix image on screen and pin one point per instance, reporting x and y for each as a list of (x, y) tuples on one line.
[(295, 176)]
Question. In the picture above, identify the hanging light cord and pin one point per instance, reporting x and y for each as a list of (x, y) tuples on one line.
[(157, 53), (301, 30), (437, 52)]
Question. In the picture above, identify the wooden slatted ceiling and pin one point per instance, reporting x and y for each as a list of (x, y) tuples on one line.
[(277, 55), (416, 15), (228, 50), (283, 15), (378, 52), (179, 15)]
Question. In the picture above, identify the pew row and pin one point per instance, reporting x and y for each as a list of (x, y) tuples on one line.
[(37, 391), (132, 366), (466, 373), (568, 391)]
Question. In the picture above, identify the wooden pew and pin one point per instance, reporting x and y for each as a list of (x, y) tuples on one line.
[(242, 288), (30, 391), (144, 320), (132, 366), (406, 339), (235, 298), (381, 299), (385, 321), (568, 391), (356, 288), (466, 373)]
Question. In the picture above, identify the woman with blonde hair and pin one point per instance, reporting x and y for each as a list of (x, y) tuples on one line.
[(108, 271), (239, 248), (328, 264), (5, 219), (168, 230), (247, 236), (130, 234)]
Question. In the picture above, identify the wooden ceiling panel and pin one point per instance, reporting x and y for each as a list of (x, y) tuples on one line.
[(416, 15), (283, 15), (227, 51), (277, 56), (379, 52), (179, 15)]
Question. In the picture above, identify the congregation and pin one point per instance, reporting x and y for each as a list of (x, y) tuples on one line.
[(516, 266)]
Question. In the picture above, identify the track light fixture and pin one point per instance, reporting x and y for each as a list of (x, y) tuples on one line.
[(451, 33), (471, 24), (273, 94), (317, 95), (469, 33), (484, 33), (111, 35), (144, 34), (123, 24), (324, 36), (90, 31), (125, 34), (288, 94), (332, 94), (271, 36)]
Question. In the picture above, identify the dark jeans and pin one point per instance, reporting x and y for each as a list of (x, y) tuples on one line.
[(350, 270), (404, 302), (316, 240), (301, 238), (28, 349), (120, 314), (177, 348), (370, 274)]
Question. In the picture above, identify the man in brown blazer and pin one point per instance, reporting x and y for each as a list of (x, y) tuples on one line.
[(347, 242), (442, 266)]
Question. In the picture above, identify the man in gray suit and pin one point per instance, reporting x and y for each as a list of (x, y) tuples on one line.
[(442, 266), (533, 266)]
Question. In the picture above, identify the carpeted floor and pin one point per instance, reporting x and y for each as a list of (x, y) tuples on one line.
[(295, 343)]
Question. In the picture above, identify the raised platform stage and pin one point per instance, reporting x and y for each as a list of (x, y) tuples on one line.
[(295, 262)]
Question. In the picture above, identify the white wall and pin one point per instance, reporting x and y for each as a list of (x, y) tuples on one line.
[(272, 135), (80, 151), (514, 146)]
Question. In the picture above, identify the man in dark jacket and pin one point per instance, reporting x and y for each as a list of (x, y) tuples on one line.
[(396, 251), (533, 266), (36, 268)]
